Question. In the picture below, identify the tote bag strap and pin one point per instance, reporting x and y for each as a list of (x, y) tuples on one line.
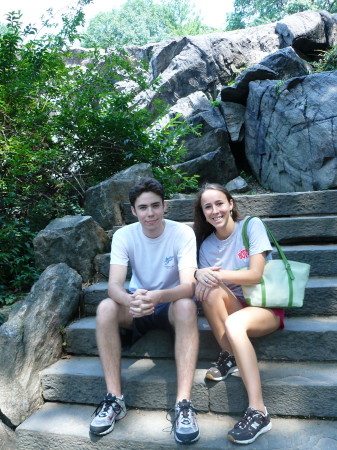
[(272, 238)]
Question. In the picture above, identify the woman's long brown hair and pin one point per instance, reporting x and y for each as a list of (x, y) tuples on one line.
[(201, 227)]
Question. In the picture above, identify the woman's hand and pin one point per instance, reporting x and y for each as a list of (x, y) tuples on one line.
[(208, 276), (201, 292)]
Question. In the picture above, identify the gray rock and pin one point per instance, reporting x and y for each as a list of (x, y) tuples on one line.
[(205, 62), (207, 120), (237, 185), (31, 339), (290, 133), (7, 438), (217, 167), (74, 240), (102, 201), (213, 134), (330, 22), (287, 64), (238, 92), (234, 115), (304, 31)]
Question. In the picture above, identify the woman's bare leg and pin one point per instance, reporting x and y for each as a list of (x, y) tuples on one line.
[(250, 322)]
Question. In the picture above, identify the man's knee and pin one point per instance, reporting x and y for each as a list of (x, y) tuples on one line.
[(185, 310), (107, 310)]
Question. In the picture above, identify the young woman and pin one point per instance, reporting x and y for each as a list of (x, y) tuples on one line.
[(221, 253)]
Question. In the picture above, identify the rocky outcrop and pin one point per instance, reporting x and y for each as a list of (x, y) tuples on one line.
[(32, 339), (196, 74), (74, 240)]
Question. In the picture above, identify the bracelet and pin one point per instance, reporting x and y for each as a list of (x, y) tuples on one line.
[(195, 274)]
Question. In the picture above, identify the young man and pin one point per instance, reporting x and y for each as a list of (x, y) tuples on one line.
[(162, 254)]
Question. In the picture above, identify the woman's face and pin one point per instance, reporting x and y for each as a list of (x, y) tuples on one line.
[(216, 208)]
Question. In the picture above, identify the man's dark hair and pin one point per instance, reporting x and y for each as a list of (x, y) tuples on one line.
[(146, 185)]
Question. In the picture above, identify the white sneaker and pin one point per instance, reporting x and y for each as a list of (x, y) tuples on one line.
[(107, 412), (185, 425)]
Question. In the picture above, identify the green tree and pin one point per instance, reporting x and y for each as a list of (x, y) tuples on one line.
[(63, 128), (256, 12), (139, 22)]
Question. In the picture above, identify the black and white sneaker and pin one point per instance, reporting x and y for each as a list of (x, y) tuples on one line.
[(107, 412), (252, 424), (185, 424), (224, 366)]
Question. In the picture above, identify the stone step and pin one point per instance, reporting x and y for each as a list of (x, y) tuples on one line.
[(264, 205), (65, 426), (289, 388), (296, 230), (320, 297), (303, 339), (322, 258)]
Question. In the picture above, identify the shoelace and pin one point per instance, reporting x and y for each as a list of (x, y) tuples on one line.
[(247, 418), (185, 409), (104, 406)]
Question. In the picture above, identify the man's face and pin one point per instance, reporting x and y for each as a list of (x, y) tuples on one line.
[(149, 210)]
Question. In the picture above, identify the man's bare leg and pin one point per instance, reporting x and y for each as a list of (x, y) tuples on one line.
[(183, 316), (109, 317)]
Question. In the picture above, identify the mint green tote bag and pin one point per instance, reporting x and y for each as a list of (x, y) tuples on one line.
[(283, 282)]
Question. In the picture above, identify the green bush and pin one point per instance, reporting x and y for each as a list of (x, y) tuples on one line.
[(327, 61), (64, 128)]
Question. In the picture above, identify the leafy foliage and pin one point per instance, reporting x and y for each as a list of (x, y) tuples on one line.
[(328, 61), (139, 22), (65, 125), (256, 12)]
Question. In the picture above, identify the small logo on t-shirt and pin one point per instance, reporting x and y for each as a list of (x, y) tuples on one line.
[(169, 262), (243, 254)]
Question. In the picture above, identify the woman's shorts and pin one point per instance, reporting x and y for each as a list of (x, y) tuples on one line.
[(277, 311)]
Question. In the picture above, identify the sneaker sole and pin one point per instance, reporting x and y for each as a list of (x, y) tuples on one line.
[(249, 441), (187, 442), (210, 377)]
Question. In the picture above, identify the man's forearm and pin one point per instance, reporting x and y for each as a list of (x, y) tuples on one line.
[(119, 294), (184, 290)]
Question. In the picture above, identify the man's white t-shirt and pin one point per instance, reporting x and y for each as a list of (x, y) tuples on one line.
[(231, 254), (155, 262)]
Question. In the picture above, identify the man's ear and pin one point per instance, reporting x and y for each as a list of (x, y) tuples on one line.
[(165, 205), (134, 211)]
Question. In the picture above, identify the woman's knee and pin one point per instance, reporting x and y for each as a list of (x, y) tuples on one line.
[(234, 327), (217, 298)]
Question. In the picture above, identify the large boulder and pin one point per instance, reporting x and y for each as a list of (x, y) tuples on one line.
[(32, 339), (283, 64), (291, 136), (215, 167), (74, 240), (102, 201), (304, 31)]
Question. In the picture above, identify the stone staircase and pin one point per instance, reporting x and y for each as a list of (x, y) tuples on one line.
[(298, 364)]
